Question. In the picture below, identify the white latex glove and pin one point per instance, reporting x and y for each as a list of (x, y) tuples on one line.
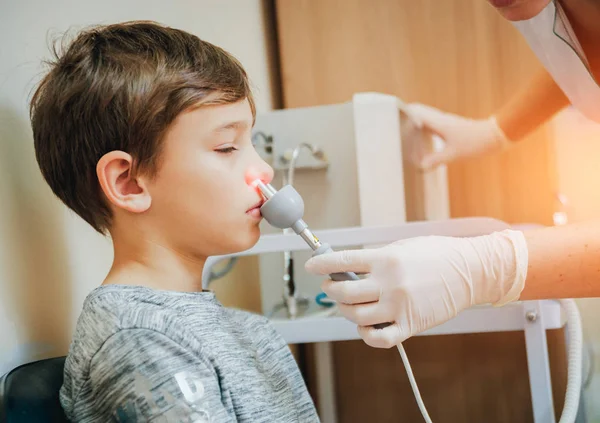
[(463, 137), (419, 283)]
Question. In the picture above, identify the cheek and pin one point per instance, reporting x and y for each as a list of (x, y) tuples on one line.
[(201, 189), (209, 222), (201, 172)]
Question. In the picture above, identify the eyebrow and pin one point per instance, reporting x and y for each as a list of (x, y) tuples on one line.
[(238, 124)]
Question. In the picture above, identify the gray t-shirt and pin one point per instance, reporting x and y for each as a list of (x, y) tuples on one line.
[(143, 355)]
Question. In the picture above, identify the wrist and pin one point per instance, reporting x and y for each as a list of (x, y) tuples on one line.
[(501, 261), (500, 139)]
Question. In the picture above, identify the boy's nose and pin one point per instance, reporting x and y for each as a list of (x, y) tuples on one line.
[(263, 172)]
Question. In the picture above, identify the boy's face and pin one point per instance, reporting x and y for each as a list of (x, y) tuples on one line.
[(201, 201)]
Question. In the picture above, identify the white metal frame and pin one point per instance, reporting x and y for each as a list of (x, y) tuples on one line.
[(533, 317)]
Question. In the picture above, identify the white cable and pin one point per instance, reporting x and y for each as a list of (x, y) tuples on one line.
[(574, 358), (574, 371), (413, 384)]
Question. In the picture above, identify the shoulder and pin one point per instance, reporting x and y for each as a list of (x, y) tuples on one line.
[(118, 324), (142, 372), (117, 309)]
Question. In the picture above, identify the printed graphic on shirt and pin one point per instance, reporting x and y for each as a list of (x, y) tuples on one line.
[(157, 404)]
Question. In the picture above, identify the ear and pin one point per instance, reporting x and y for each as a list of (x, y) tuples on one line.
[(120, 187)]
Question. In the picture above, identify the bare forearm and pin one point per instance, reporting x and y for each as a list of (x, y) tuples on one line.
[(531, 106), (564, 262)]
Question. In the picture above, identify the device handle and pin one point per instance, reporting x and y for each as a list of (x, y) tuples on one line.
[(338, 277), (342, 276)]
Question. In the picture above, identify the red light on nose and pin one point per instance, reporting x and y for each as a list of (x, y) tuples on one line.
[(253, 174)]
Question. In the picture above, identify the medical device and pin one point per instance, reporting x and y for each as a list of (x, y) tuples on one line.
[(285, 209), (291, 298)]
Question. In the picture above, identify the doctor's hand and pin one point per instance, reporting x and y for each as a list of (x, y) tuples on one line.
[(463, 137), (419, 283)]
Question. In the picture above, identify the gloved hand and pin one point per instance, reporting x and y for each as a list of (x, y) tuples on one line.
[(463, 137), (419, 283)]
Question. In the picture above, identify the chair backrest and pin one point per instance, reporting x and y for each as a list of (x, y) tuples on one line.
[(30, 393)]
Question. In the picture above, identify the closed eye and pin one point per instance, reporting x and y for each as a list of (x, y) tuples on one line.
[(226, 150)]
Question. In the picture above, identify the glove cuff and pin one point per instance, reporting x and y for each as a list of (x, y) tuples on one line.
[(499, 136), (515, 280)]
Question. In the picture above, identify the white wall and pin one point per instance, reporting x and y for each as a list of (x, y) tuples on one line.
[(49, 258)]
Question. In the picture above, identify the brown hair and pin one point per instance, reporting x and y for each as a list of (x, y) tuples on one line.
[(119, 87)]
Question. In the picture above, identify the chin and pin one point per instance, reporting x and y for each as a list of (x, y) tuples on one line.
[(516, 15), (522, 10), (245, 240)]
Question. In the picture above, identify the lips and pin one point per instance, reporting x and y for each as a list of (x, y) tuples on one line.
[(256, 206)]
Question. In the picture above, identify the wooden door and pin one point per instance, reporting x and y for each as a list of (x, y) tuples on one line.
[(460, 56)]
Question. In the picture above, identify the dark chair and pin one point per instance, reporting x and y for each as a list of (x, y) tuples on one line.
[(29, 393)]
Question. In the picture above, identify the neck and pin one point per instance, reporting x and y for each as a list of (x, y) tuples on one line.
[(141, 260)]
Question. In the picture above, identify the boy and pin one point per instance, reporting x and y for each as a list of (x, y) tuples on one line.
[(144, 131)]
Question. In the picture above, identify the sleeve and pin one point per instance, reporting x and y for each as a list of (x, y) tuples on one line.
[(142, 375), (533, 104)]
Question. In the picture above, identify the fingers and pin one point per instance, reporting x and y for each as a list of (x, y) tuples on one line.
[(366, 314), (352, 292), (433, 160), (427, 116), (358, 261), (413, 117), (436, 122), (387, 337)]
